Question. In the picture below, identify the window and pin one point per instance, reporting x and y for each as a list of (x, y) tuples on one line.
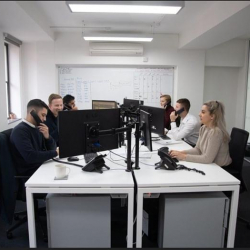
[(6, 57), (12, 76)]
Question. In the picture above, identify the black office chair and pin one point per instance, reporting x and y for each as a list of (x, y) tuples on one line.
[(12, 189), (237, 146)]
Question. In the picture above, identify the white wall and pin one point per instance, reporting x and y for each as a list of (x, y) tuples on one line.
[(70, 48), (40, 76), (243, 88), (29, 74), (229, 54), (221, 84), (225, 79), (46, 70)]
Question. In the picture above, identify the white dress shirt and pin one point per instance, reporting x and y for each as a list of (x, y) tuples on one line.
[(188, 129)]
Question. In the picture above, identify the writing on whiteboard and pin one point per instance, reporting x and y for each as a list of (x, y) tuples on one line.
[(114, 84), (65, 70)]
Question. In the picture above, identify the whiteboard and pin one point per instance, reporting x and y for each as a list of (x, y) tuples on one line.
[(115, 84)]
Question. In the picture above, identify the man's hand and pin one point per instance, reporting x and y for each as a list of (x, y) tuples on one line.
[(74, 108), (44, 130), (173, 116), (57, 150)]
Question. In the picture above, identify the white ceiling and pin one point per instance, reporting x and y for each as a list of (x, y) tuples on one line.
[(200, 24)]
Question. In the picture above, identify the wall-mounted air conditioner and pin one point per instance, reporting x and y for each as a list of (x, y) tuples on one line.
[(115, 49)]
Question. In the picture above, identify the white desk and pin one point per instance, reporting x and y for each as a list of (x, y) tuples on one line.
[(110, 182), (150, 180)]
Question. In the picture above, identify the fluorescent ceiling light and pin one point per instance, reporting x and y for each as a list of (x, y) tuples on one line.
[(118, 37), (124, 39), (146, 7)]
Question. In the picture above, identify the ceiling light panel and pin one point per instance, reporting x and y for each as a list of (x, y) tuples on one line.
[(124, 39), (140, 7)]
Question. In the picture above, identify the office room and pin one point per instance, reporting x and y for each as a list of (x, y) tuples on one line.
[(203, 53)]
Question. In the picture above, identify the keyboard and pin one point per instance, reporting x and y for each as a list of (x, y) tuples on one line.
[(89, 156), (165, 137)]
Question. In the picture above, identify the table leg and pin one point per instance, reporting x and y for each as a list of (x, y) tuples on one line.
[(31, 218), (233, 217), (139, 218), (130, 219)]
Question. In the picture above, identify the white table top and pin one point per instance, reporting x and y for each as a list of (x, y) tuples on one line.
[(147, 176), (115, 177)]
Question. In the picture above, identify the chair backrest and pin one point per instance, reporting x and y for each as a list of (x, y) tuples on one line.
[(237, 146), (8, 183)]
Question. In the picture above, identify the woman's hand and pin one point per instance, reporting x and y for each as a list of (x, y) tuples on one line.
[(180, 155)]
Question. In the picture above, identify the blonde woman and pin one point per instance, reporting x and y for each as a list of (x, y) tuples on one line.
[(212, 145)]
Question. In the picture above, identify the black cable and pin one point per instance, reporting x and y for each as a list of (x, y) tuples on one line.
[(69, 163), (116, 163), (112, 169), (118, 155), (156, 150), (181, 167), (146, 164), (114, 159)]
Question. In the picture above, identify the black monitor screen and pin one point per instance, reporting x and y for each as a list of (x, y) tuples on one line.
[(75, 128), (157, 119), (145, 124), (101, 104), (132, 104)]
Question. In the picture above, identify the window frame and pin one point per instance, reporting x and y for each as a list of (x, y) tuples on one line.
[(7, 82)]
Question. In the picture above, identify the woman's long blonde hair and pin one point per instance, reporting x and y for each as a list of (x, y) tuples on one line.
[(218, 110)]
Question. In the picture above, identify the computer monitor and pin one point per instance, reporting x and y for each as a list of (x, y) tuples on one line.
[(102, 104), (145, 126), (78, 134), (132, 104), (157, 119)]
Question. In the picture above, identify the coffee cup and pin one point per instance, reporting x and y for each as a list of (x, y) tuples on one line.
[(61, 171)]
